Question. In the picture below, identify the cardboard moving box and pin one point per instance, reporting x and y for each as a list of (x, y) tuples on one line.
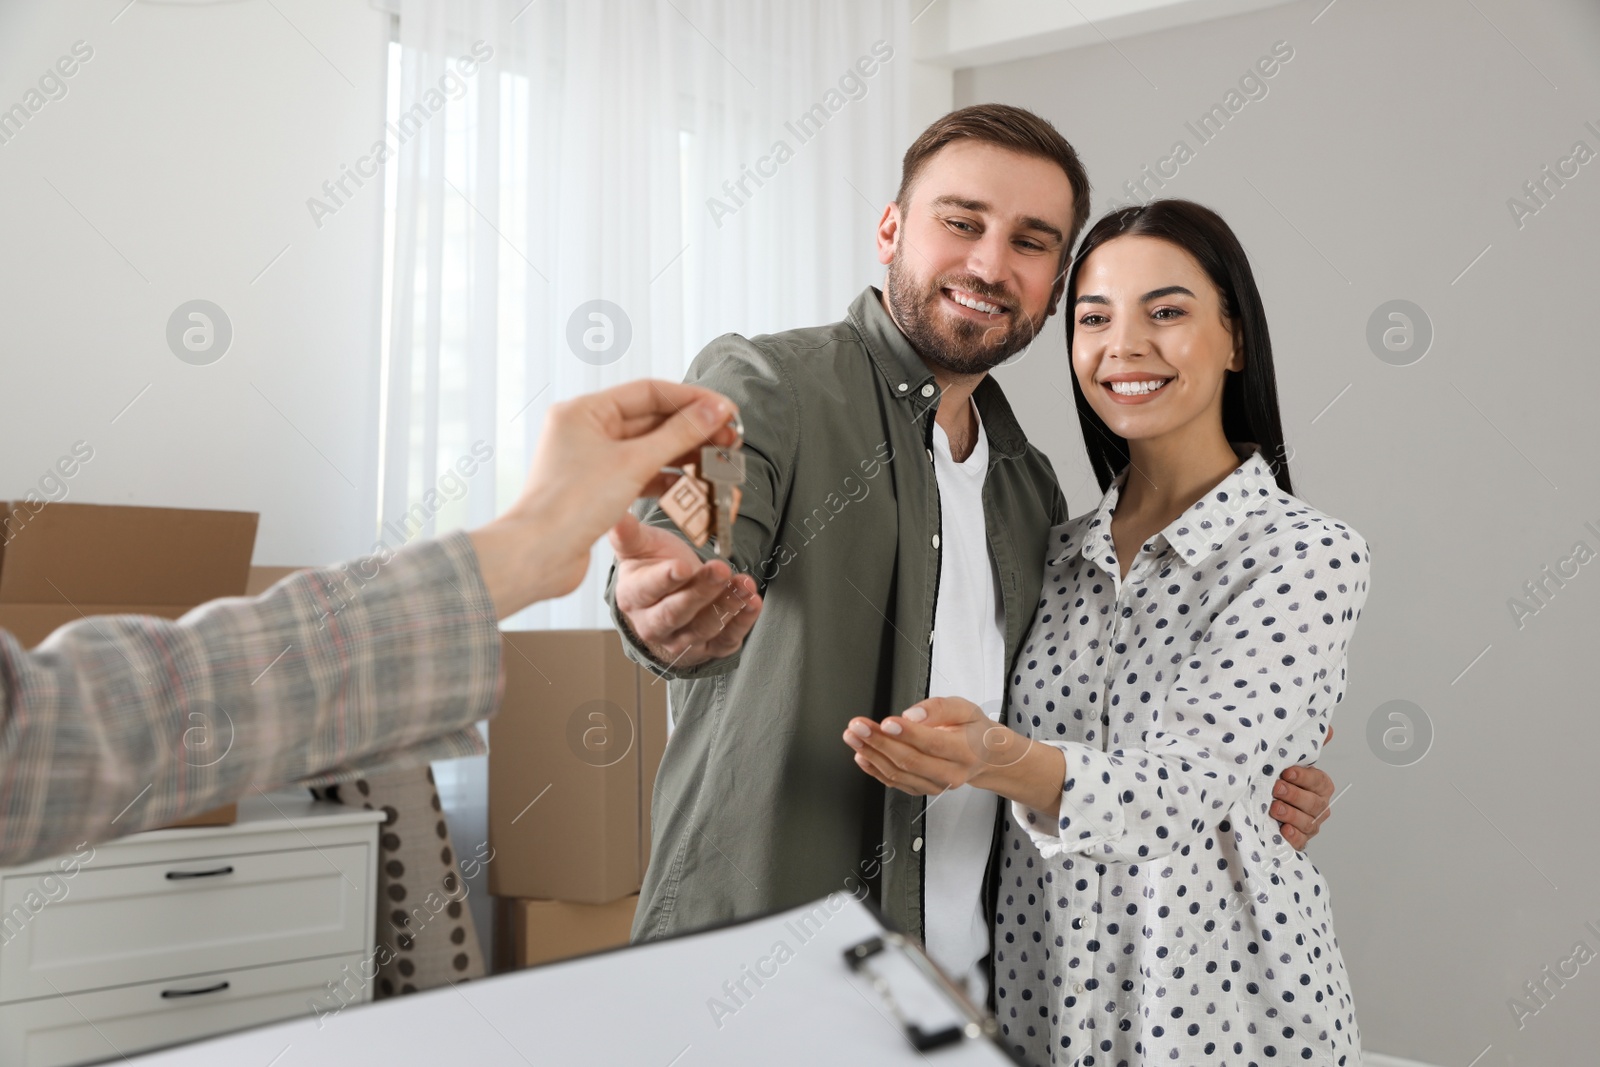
[(573, 754), (264, 578), (226, 815), (531, 932), (62, 562)]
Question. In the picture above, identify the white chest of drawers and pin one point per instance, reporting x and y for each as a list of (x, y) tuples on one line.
[(170, 935)]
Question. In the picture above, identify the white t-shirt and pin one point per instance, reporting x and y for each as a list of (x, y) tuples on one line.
[(968, 661)]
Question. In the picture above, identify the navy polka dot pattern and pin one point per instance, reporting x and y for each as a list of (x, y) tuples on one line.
[(1162, 918)]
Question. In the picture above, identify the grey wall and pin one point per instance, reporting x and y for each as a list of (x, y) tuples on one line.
[(1378, 167)]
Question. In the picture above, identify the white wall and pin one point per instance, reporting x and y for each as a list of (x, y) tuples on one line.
[(1378, 167), (177, 166), (970, 33)]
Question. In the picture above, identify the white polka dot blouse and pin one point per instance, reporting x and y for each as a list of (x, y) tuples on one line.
[(1161, 918)]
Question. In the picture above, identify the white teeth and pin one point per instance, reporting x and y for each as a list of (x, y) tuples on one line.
[(1137, 388), (974, 304)]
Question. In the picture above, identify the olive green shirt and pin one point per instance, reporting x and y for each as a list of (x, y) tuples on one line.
[(759, 804)]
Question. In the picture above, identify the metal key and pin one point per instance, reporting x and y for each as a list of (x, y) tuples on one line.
[(724, 469), (701, 505)]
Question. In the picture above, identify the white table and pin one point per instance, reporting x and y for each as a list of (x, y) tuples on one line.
[(649, 1005)]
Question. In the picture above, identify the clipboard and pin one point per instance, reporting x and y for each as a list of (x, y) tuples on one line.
[(824, 983)]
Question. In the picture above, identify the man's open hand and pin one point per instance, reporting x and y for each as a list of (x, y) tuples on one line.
[(686, 611)]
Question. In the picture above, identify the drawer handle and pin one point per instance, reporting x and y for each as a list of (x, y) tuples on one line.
[(177, 876), (173, 994)]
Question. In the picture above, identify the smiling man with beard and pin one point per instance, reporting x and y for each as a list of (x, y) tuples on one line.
[(925, 589)]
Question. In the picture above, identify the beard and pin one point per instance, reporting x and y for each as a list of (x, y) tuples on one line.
[(958, 346)]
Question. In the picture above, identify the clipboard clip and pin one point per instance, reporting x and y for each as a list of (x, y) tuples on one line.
[(975, 1025)]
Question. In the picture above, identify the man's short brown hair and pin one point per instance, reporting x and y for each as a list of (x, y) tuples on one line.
[(1007, 127)]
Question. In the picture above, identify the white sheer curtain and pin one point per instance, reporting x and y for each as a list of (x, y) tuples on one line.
[(704, 166)]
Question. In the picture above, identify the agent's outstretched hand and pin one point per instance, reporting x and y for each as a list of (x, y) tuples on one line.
[(596, 455)]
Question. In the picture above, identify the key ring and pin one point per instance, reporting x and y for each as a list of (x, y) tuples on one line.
[(736, 424)]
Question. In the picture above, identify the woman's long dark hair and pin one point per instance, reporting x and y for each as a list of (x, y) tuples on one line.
[(1249, 396)]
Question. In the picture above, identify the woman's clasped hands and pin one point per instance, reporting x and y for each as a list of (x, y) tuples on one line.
[(943, 743)]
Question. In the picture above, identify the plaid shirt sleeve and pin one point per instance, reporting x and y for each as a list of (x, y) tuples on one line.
[(123, 722)]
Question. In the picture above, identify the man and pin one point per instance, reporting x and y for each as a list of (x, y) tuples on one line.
[(97, 722), (891, 538)]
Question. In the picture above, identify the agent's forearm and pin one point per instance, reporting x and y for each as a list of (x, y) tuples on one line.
[(522, 561), (122, 723)]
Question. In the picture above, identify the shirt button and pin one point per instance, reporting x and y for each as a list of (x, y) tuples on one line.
[(927, 390), (1078, 986), (930, 455), (902, 387), (1077, 924), (916, 846), (935, 540)]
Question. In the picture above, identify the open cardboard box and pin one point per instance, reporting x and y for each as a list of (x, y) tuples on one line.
[(63, 562), (263, 578)]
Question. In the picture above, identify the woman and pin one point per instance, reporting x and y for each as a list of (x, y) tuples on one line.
[(1189, 643)]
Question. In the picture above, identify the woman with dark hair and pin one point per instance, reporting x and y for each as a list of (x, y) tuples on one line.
[(1189, 643)]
